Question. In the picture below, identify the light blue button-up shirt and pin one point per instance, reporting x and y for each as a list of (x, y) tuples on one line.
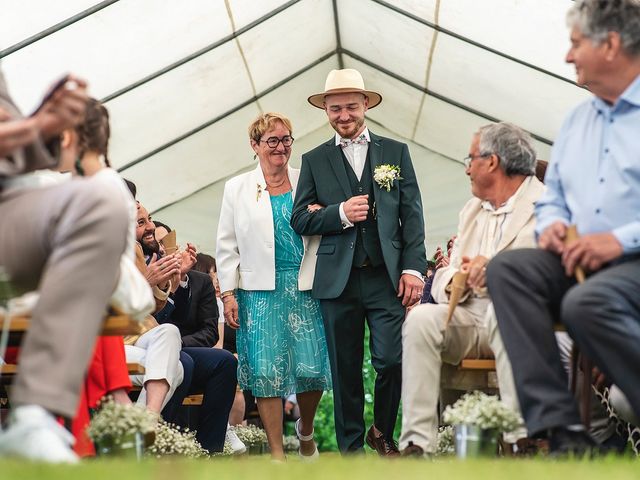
[(593, 179)]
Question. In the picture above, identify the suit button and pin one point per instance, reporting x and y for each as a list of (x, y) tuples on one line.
[(351, 245), (364, 230), (360, 189)]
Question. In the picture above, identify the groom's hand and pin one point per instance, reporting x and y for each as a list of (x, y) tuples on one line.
[(409, 289), (357, 208)]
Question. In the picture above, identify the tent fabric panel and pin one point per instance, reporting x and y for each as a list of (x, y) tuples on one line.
[(501, 88), (272, 49), (291, 100), (400, 105), (147, 117), (425, 9), (405, 52), (244, 12), (113, 54), (448, 130), (204, 158), (40, 15), (513, 27)]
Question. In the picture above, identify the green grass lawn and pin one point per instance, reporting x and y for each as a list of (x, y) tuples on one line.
[(331, 466)]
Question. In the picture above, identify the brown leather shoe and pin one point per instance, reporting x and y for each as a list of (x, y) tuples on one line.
[(385, 448), (413, 450)]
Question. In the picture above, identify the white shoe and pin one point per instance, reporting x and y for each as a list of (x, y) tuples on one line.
[(306, 438), (34, 434), (236, 444)]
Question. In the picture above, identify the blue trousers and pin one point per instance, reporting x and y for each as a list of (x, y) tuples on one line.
[(211, 371)]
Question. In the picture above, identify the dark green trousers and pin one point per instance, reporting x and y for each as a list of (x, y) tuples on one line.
[(368, 295)]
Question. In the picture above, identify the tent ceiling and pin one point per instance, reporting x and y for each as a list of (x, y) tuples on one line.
[(183, 79)]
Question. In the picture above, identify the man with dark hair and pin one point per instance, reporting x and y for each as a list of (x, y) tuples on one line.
[(192, 308), (593, 181)]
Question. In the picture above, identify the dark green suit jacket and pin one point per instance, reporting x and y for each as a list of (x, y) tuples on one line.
[(323, 180)]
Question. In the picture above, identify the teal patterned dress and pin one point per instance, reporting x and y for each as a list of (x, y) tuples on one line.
[(281, 343)]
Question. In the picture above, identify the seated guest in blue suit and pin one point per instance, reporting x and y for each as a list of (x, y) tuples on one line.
[(207, 370)]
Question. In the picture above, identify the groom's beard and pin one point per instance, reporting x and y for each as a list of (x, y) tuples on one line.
[(348, 130)]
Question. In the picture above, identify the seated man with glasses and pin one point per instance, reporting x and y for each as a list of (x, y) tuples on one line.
[(501, 167)]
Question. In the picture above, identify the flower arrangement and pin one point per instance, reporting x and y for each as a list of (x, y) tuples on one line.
[(384, 175), (445, 441), (115, 425), (115, 422), (482, 410), (251, 435), (227, 451), (291, 443), (171, 440)]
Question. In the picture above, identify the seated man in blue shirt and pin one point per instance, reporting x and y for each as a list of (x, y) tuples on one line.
[(593, 182)]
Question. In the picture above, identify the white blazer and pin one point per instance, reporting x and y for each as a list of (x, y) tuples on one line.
[(245, 250)]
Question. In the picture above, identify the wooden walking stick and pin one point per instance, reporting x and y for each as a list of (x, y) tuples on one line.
[(572, 234), (576, 356), (458, 286)]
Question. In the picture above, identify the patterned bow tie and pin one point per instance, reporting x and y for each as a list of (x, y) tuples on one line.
[(361, 140)]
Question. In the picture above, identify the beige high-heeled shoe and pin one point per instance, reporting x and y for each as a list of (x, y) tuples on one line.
[(306, 438)]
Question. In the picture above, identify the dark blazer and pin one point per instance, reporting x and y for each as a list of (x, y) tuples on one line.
[(196, 312), (323, 180)]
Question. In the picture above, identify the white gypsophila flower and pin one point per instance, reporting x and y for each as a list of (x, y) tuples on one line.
[(117, 421), (445, 443), (172, 441), (384, 175), (482, 410), (251, 435), (291, 443)]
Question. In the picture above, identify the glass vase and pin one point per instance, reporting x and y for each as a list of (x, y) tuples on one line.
[(472, 441)]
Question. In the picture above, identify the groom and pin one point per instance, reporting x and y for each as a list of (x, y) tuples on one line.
[(371, 257)]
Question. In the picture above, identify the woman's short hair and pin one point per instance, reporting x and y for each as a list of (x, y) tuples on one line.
[(596, 18), (265, 122), (512, 145)]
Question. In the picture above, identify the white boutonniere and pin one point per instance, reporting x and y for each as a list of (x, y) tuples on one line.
[(384, 175)]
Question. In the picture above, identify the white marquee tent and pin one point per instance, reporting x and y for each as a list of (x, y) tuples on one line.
[(183, 79)]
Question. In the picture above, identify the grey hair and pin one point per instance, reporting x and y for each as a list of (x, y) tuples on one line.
[(596, 18), (512, 145)]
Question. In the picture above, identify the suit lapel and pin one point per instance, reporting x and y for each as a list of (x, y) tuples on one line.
[(337, 164), (375, 159)]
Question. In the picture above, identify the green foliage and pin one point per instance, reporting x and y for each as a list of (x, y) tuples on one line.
[(325, 435)]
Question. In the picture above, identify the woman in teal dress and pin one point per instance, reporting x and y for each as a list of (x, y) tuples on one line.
[(266, 272)]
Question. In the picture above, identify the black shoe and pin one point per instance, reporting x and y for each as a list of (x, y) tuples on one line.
[(569, 443)]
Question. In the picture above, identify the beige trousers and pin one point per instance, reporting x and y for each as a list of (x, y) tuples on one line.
[(158, 350), (472, 333), (66, 241)]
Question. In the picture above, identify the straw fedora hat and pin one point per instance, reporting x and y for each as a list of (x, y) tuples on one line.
[(344, 81)]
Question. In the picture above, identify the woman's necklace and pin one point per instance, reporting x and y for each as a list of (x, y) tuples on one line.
[(275, 185)]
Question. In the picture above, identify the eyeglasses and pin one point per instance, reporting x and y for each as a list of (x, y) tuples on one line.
[(273, 142), (469, 158)]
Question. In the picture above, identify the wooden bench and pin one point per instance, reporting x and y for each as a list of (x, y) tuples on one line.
[(9, 371), (114, 325), (194, 400)]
